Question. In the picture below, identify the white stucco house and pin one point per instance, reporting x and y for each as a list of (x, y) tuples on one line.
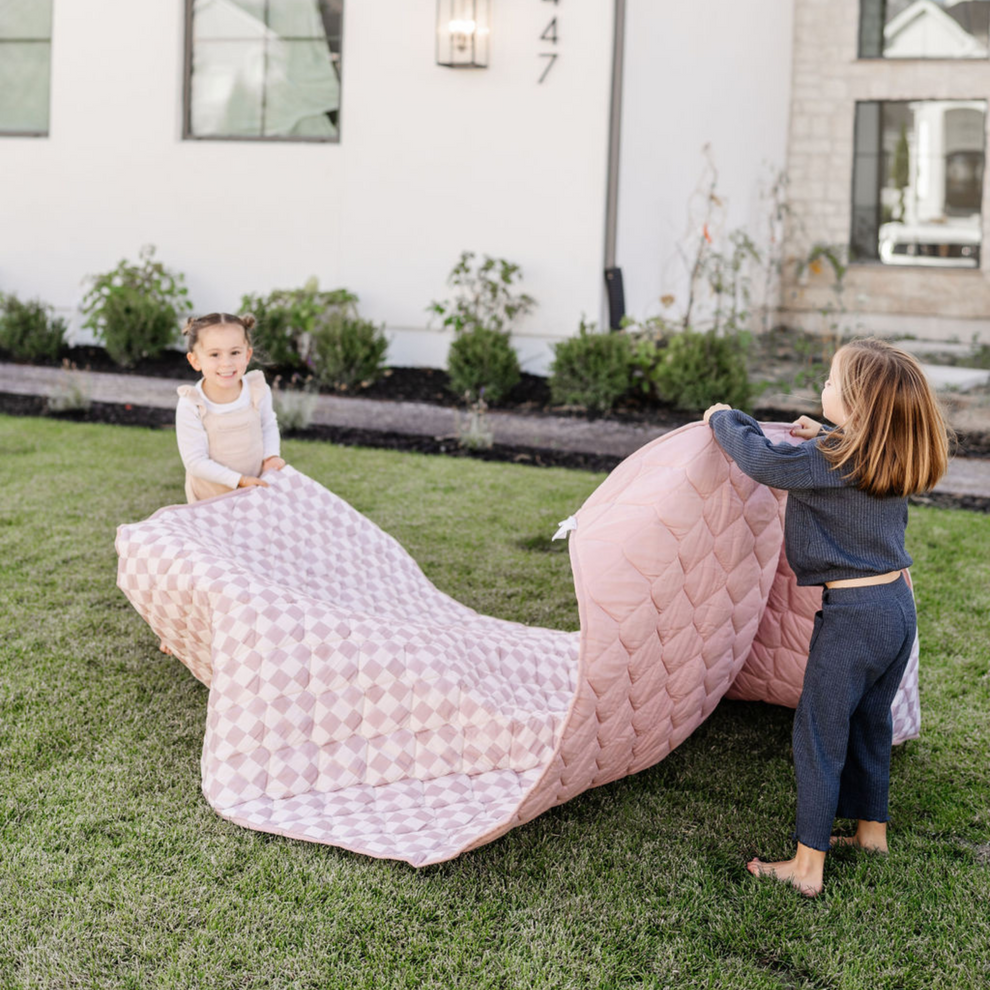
[(256, 143)]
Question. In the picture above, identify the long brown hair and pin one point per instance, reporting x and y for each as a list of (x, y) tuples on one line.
[(895, 441), (194, 325)]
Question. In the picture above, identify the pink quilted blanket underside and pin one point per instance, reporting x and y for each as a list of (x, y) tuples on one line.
[(352, 703)]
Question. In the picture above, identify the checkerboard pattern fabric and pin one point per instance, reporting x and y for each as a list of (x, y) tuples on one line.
[(354, 704)]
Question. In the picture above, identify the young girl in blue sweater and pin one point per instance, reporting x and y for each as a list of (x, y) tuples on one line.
[(844, 529)]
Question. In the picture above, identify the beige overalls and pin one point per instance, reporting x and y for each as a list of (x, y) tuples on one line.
[(235, 438)]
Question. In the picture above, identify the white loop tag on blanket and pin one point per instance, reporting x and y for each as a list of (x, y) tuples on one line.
[(566, 526)]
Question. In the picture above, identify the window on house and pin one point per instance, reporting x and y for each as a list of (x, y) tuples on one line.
[(924, 28), (25, 66), (263, 69), (918, 182)]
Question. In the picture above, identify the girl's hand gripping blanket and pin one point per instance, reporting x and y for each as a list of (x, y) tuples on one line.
[(353, 703)]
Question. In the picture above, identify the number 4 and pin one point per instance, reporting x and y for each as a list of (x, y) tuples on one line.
[(550, 32)]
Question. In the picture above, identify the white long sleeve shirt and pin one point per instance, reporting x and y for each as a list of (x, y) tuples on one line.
[(194, 444)]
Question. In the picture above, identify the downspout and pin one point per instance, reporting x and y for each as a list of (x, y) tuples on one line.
[(613, 275)]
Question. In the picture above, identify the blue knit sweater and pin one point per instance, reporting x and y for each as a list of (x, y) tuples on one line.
[(832, 530)]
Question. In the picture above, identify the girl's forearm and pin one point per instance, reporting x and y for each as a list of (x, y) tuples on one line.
[(779, 466)]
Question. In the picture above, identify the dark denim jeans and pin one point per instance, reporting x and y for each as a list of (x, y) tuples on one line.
[(859, 648)]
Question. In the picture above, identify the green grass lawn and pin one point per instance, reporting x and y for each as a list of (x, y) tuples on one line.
[(114, 872)]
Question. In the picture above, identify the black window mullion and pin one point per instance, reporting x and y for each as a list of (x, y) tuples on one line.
[(867, 181)]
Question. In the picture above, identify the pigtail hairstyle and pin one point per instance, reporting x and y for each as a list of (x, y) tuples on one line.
[(895, 441), (194, 325)]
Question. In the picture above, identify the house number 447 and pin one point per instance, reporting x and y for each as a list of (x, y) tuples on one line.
[(549, 36)]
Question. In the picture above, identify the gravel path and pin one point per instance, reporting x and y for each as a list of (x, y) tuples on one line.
[(966, 476)]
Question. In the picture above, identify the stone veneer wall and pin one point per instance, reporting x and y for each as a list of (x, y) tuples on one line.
[(828, 79)]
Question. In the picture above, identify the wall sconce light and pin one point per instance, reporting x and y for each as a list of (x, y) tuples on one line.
[(463, 29)]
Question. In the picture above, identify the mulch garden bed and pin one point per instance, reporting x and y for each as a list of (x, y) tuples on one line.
[(429, 385)]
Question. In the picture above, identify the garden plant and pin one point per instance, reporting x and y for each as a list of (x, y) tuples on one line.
[(592, 369), (30, 331), (320, 331), (135, 309), (346, 350), (481, 315)]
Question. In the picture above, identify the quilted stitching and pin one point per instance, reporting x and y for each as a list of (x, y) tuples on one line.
[(352, 703)]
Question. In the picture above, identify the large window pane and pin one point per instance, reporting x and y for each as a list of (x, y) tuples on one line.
[(296, 19), (25, 65), (918, 182), (22, 19), (230, 82), (265, 69), (924, 28), (298, 81)]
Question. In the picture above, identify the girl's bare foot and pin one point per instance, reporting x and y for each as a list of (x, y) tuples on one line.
[(870, 836), (787, 871), (164, 648), (804, 872)]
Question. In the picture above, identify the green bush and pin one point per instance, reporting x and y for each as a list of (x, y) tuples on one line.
[(346, 350), (485, 297), (696, 370), (480, 315), (592, 369), (274, 339), (482, 362), (28, 330), (135, 310), (288, 320)]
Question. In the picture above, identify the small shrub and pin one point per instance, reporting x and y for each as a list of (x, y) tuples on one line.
[(347, 351), (645, 353), (484, 295), (696, 370), (135, 310), (30, 331), (294, 407), (473, 431), (980, 358), (482, 359), (274, 338), (592, 369), (288, 319), (72, 394), (480, 315)]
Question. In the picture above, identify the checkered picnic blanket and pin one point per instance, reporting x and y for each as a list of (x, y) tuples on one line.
[(353, 703)]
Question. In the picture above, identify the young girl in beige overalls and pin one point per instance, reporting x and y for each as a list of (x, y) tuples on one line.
[(225, 423)]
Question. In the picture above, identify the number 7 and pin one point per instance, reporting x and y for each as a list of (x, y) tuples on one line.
[(553, 58)]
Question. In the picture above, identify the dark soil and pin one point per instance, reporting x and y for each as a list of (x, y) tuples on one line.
[(171, 364), (430, 385), (14, 404)]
